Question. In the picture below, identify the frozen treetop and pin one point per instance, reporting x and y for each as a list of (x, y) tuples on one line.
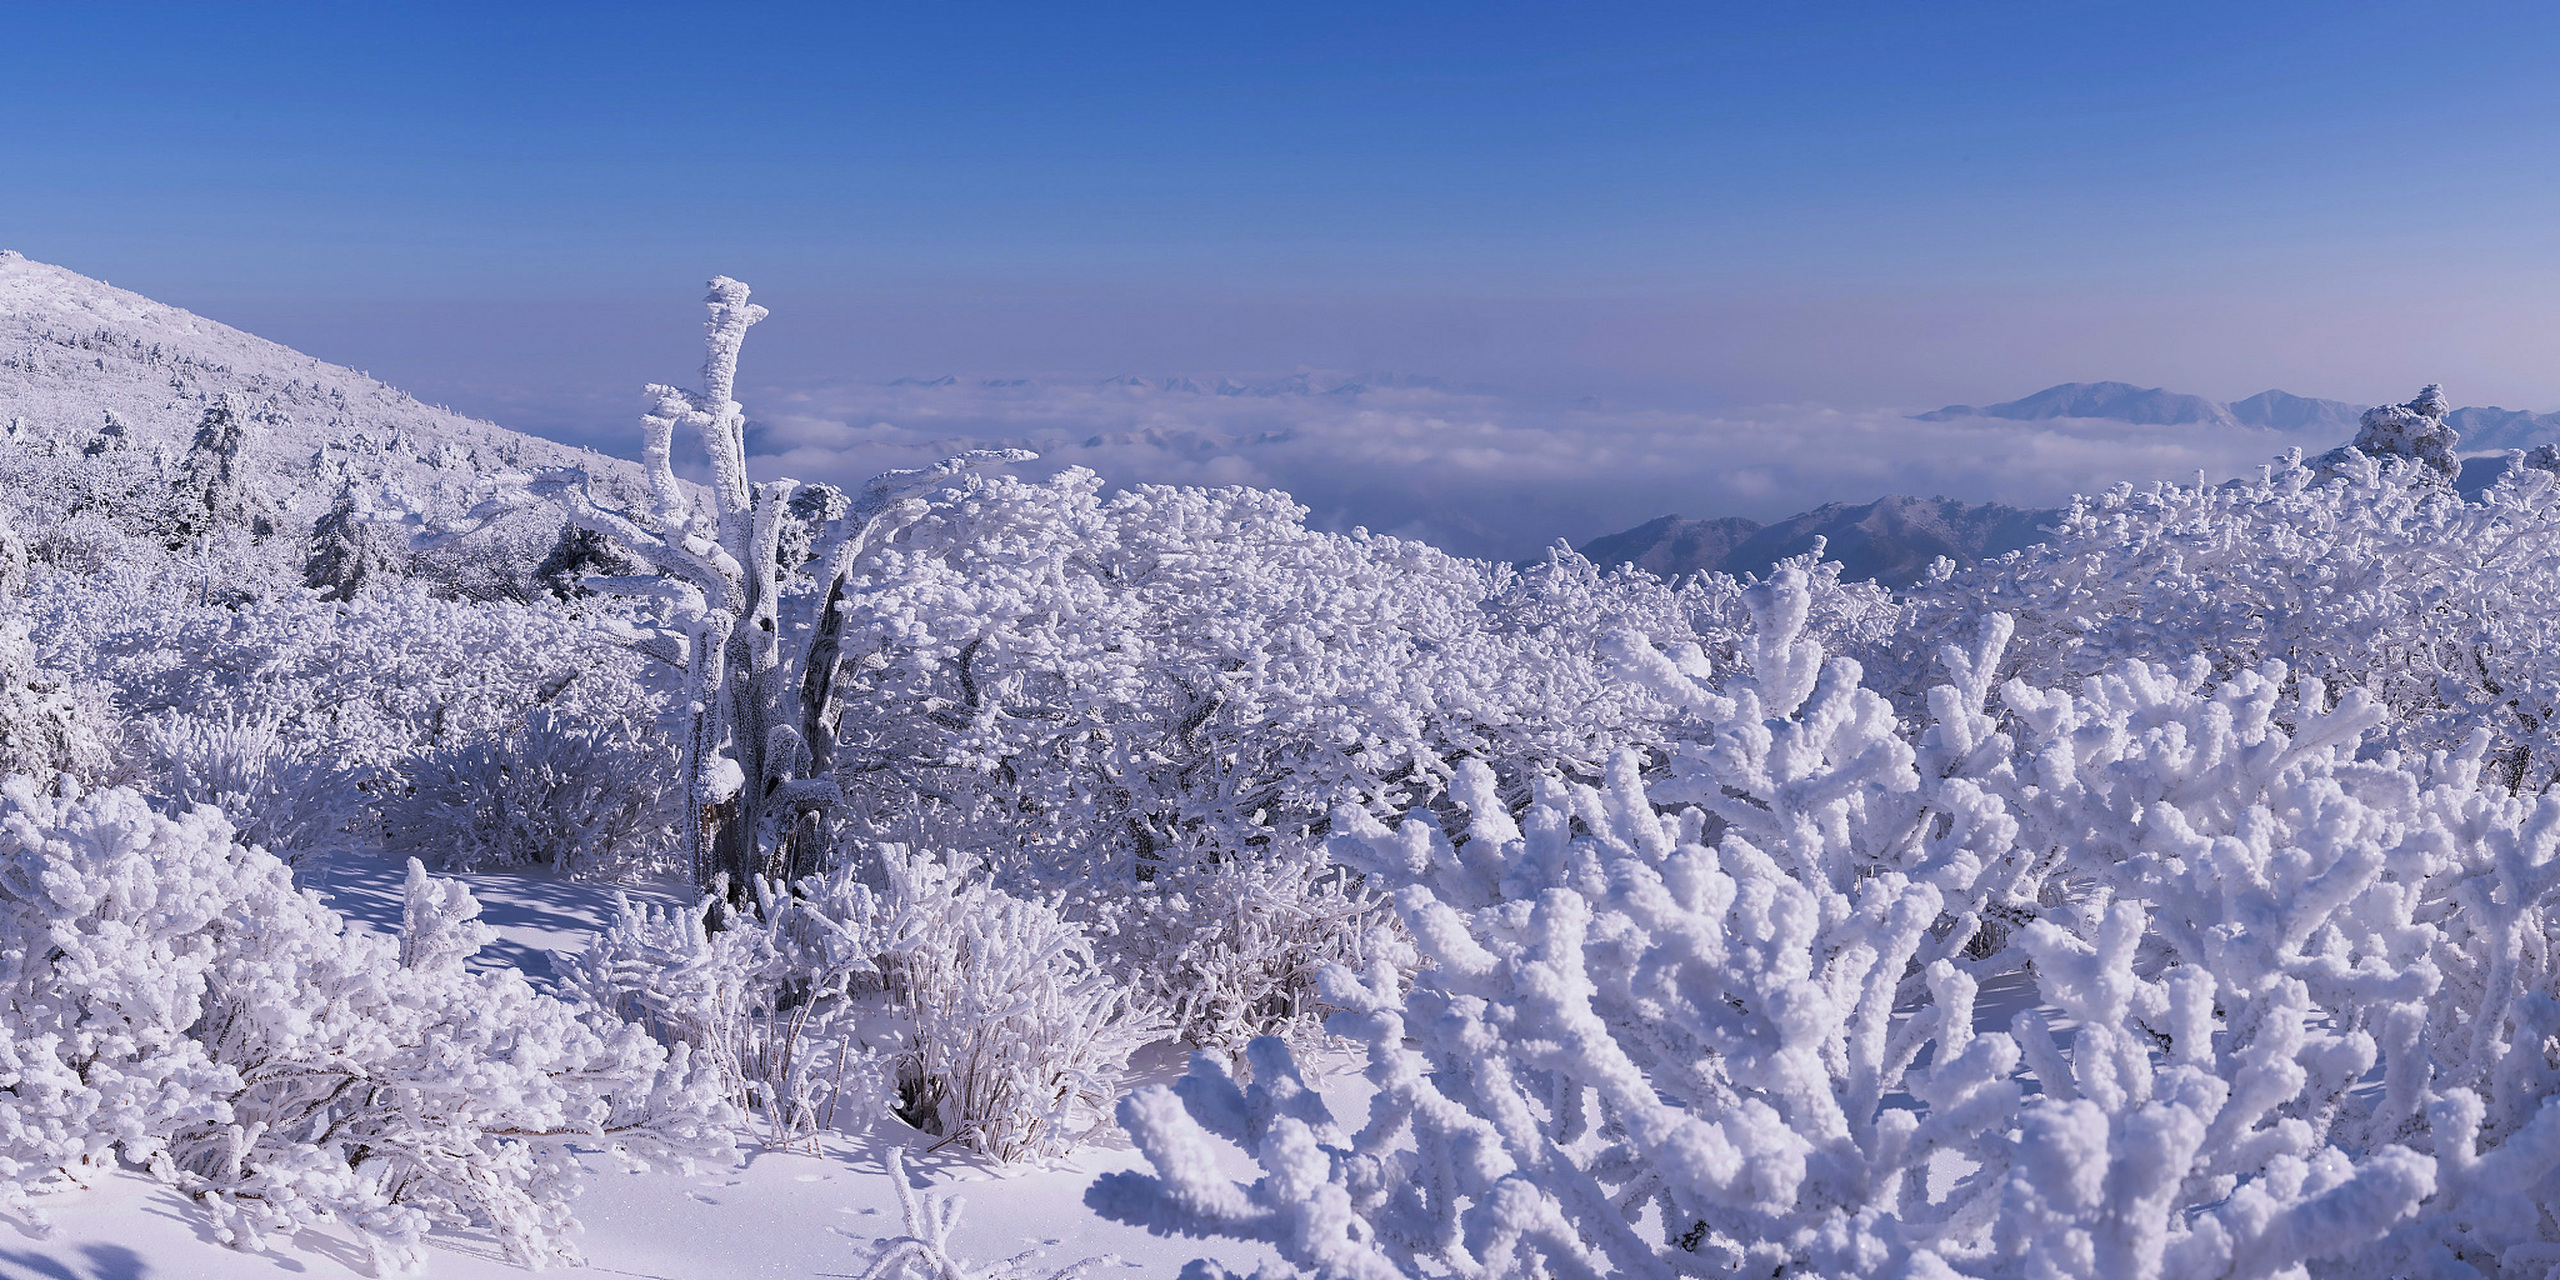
[(2415, 429)]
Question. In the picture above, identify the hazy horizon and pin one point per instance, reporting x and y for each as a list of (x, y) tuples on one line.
[(1689, 212)]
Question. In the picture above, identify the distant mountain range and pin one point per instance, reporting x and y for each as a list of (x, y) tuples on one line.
[(1893, 539), (2482, 428), (1890, 540), (2123, 401)]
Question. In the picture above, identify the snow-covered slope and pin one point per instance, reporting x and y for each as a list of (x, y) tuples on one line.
[(85, 366)]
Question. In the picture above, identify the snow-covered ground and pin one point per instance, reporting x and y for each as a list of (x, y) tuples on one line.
[(774, 1213)]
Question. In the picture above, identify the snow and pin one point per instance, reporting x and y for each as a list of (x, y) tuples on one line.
[(74, 351), (2177, 897), (773, 1213)]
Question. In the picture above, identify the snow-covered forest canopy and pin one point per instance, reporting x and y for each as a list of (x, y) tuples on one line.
[(2177, 897)]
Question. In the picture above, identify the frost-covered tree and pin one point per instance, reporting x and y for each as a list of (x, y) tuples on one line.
[(348, 552), (114, 436), (757, 633), (213, 483)]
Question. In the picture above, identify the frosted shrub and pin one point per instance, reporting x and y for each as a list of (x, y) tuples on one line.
[(1230, 949), (1648, 1043), (1613, 1024), (286, 793), (728, 995), (49, 727), (1016, 1040), (996, 1028), (570, 795), (1168, 675), (1151, 702), (2375, 578), (2368, 918), (392, 672), (176, 1002)]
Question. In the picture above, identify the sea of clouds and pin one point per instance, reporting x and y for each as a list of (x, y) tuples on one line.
[(1477, 472)]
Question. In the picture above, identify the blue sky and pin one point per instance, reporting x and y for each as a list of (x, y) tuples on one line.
[(510, 207)]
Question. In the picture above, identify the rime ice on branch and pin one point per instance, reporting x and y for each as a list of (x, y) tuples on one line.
[(2301, 1026), (756, 630)]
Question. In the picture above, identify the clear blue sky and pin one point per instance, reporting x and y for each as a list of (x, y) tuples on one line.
[(1863, 203)]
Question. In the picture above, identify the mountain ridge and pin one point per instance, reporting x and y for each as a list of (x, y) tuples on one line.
[(2482, 427), (1891, 540)]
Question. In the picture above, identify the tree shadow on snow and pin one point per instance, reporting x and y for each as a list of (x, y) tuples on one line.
[(535, 913), (97, 1262)]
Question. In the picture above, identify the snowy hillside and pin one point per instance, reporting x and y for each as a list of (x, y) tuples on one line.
[(87, 369)]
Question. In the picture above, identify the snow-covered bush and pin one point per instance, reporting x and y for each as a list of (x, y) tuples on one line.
[(531, 735), (1015, 1041), (49, 728), (730, 998), (287, 794), (575, 796), (991, 1024), (2376, 579), (1153, 702), (1750, 1037), (1230, 950), (1129, 677), (372, 680), (176, 1002)]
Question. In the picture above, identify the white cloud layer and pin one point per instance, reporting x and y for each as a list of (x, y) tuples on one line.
[(1478, 473)]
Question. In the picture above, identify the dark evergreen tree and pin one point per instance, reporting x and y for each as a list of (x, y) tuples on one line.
[(577, 555), (347, 551)]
